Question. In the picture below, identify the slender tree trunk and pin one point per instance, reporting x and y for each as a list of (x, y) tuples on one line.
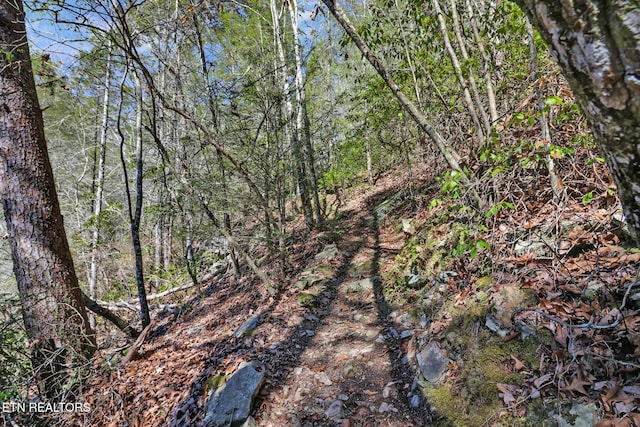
[(556, 183), (290, 128), (457, 68), (457, 29), (54, 314), (214, 119), (486, 64), (137, 216), (302, 119), (598, 51), (135, 213), (99, 185)]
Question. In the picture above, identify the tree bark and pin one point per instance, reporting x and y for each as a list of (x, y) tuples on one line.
[(597, 45), (302, 119), (54, 315)]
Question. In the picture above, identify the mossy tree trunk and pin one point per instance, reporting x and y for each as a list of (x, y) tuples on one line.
[(597, 44)]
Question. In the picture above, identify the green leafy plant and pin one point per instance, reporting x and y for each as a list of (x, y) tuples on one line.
[(587, 198), (495, 209)]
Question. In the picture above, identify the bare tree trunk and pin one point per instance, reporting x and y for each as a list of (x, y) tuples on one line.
[(136, 213), (457, 29), (457, 68), (290, 128), (486, 62), (137, 216), (302, 120), (99, 186), (53, 311), (556, 183), (598, 51)]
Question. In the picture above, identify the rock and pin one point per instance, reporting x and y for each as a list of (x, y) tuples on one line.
[(360, 285), (323, 378), (195, 331), (251, 422), (308, 279), (329, 252), (506, 301), (231, 403), (580, 415), (408, 227), (247, 327), (415, 401), (563, 413), (387, 407), (543, 247), (386, 391), (432, 362), (406, 334), (335, 412), (360, 270), (349, 369), (413, 278), (493, 326)]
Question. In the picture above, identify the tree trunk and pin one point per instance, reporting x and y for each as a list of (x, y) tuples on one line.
[(54, 314), (302, 119), (597, 44), (137, 215), (290, 128), (556, 182), (486, 64), (457, 68), (99, 187)]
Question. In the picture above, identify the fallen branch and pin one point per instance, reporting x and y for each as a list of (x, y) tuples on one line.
[(102, 311), (129, 304), (135, 347)]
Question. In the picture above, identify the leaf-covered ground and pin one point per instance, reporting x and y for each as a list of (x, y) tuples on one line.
[(539, 322)]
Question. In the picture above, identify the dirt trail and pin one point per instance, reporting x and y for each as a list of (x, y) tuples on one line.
[(352, 370), (331, 353)]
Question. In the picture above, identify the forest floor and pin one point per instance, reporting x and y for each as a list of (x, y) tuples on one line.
[(528, 339)]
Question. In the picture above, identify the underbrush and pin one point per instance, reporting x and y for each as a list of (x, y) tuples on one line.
[(529, 296)]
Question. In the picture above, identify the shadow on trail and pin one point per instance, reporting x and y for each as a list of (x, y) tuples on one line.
[(402, 372), (280, 359)]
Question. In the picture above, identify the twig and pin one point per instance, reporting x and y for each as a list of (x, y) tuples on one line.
[(626, 294), (588, 325)]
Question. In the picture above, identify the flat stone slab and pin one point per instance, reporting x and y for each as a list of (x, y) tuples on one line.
[(433, 363), (230, 405), (360, 285), (247, 327), (329, 252)]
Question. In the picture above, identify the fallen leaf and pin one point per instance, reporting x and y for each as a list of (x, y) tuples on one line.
[(578, 385), (517, 363)]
